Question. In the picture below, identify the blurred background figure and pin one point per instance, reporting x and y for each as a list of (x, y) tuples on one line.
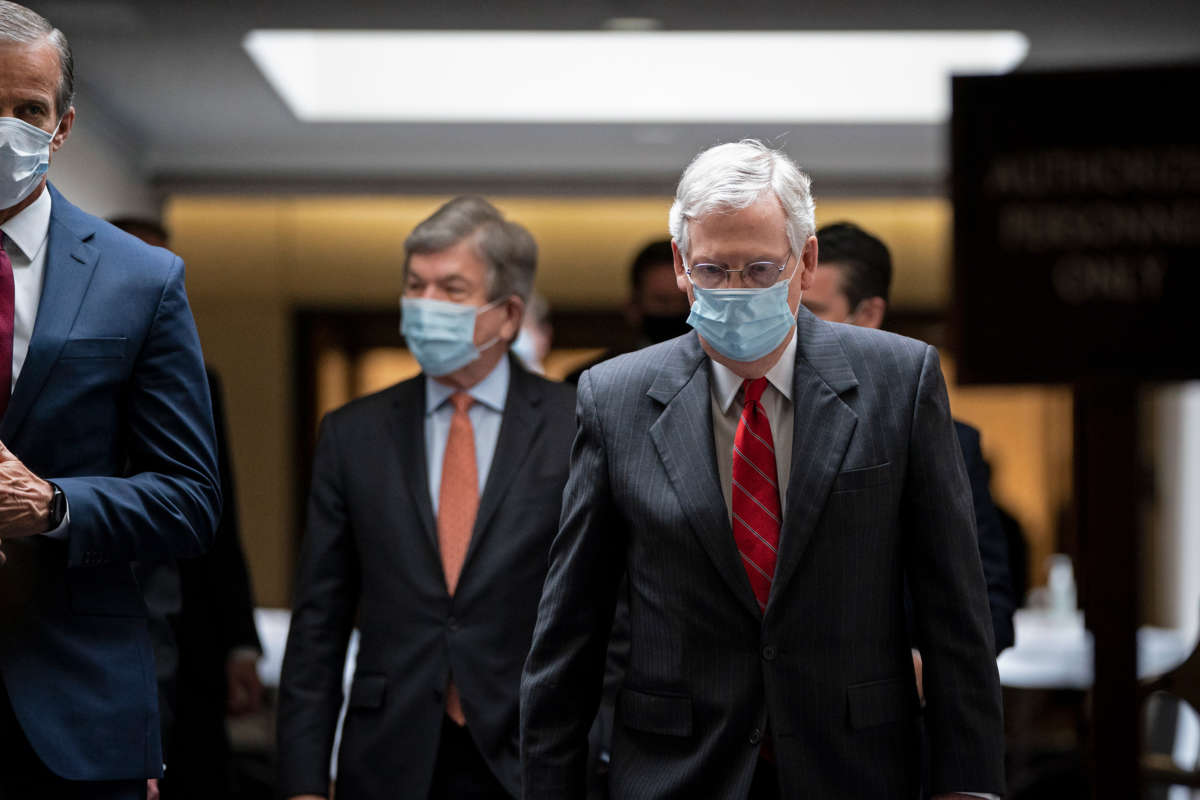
[(656, 310), (536, 336), (201, 621), (851, 284)]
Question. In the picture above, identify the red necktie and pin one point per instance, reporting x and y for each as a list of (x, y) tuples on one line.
[(755, 492), (7, 314), (458, 502)]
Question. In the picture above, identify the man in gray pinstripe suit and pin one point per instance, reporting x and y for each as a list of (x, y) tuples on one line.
[(767, 482)]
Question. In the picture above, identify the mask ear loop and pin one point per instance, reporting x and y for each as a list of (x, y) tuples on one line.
[(799, 299), (482, 310), (55, 131)]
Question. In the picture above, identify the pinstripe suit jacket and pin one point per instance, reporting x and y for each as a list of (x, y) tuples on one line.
[(877, 489)]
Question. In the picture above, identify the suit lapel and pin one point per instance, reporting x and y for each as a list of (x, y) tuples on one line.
[(408, 429), (683, 436), (70, 262), (823, 425), (515, 441)]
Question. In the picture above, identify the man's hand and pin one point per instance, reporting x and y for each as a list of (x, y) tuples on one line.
[(152, 789), (24, 498), (245, 689), (307, 797), (919, 671)]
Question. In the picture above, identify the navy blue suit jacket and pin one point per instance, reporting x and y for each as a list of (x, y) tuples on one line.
[(993, 542), (112, 406)]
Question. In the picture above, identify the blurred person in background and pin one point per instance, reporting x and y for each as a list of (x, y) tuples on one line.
[(432, 509), (107, 452), (536, 337), (851, 285), (766, 483), (656, 310), (201, 615)]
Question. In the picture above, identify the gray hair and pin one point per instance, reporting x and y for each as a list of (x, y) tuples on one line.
[(733, 176), (19, 25), (507, 249)]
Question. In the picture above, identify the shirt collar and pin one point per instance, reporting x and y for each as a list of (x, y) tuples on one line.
[(726, 384), (492, 391), (30, 227)]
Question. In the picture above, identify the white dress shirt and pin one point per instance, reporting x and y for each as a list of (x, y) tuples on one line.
[(486, 413), (25, 238), (725, 397)]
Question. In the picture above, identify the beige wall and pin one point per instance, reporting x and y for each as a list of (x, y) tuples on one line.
[(248, 342), (1026, 437), (98, 171), (252, 261)]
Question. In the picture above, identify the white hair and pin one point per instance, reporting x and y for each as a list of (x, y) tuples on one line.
[(733, 176)]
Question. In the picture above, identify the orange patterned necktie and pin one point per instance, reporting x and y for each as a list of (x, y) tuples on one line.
[(458, 501)]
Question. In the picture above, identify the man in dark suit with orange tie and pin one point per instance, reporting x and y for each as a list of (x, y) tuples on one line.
[(432, 508)]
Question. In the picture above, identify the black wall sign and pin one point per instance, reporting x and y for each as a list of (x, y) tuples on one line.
[(1077, 225)]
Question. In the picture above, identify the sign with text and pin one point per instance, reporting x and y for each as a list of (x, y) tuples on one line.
[(1077, 225)]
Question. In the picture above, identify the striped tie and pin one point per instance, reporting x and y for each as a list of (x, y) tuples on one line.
[(756, 511)]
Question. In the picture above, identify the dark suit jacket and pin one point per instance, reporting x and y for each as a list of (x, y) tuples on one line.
[(877, 490), (993, 541), (371, 548), (215, 616), (112, 406)]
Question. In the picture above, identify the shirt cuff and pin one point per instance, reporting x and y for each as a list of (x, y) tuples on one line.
[(60, 532), (986, 796)]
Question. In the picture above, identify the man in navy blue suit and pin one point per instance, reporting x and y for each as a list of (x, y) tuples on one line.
[(107, 452)]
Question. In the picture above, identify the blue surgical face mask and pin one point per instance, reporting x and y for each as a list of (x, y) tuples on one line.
[(743, 324), (440, 334), (24, 159)]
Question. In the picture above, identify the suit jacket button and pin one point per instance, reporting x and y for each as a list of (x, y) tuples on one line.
[(756, 737), (452, 624), (769, 652)]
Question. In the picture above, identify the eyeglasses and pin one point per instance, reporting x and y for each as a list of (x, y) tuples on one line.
[(758, 275)]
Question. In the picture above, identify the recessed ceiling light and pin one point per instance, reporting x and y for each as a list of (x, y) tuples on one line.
[(632, 24), (645, 76)]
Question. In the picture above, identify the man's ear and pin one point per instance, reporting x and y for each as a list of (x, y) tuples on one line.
[(514, 309), (681, 279), (870, 312), (64, 129), (808, 263)]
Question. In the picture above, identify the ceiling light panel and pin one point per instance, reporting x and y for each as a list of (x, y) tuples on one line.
[(625, 77)]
